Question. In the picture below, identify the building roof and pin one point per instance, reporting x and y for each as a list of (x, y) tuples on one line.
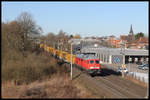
[(141, 40), (115, 51), (123, 37), (112, 36)]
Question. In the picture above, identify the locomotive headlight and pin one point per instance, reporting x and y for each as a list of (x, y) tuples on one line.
[(91, 67)]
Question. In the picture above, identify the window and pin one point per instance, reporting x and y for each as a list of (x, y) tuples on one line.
[(97, 62), (91, 62)]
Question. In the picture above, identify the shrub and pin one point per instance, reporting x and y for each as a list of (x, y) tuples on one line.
[(28, 69)]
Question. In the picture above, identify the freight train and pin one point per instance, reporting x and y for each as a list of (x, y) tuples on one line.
[(89, 63)]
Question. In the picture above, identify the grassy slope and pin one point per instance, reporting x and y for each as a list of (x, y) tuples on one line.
[(51, 84)]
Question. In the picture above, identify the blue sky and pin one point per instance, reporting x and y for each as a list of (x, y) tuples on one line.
[(84, 18)]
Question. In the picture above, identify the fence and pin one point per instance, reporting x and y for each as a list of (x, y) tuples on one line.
[(139, 76), (131, 71)]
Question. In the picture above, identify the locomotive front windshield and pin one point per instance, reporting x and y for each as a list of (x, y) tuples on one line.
[(97, 62), (91, 62)]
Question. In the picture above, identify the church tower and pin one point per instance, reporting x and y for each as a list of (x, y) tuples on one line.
[(131, 34), (131, 31)]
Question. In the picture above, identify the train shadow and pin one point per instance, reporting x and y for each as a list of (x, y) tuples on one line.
[(60, 63), (78, 75), (106, 72)]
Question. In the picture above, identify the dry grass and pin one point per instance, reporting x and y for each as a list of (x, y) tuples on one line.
[(28, 69), (84, 93), (37, 76), (27, 72), (58, 86)]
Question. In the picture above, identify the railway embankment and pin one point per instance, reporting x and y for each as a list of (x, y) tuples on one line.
[(47, 79)]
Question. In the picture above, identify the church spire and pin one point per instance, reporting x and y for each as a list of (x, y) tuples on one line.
[(131, 30), (131, 35)]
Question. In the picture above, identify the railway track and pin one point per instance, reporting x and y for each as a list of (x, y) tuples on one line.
[(113, 92), (126, 86), (111, 86), (122, 92), (116, 87)]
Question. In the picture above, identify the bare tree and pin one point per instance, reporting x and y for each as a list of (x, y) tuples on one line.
[(28, 29), (50, 39)]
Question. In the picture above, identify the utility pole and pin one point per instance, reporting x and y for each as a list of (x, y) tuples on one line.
[(58, 45), (53, 45), (123, 54), (71, 56), (71, 62), (44, 44), (61, 45), (129, 63)]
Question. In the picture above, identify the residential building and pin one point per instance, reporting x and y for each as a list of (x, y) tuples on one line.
[(141, 43), (123, 38)]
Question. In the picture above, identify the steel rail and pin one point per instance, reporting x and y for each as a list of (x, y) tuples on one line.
[(118, 88)]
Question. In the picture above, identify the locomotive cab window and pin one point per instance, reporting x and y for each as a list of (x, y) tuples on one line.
[(91, 62), (97, 62)]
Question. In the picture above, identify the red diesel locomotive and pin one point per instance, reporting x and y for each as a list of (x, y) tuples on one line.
[(89, 63)]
